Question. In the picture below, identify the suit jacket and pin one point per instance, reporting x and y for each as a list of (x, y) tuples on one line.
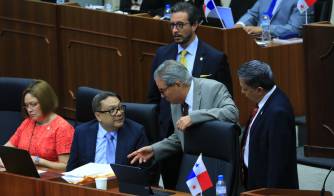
[(130, 137), (272, 145), (208, 61), (287, 20), (211, 100)]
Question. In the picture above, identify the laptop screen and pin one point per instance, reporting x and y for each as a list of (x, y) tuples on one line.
[(18, 161)]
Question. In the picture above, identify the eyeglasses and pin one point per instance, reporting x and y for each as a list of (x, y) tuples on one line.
[(114, 111), (178, 25), (30, 105)]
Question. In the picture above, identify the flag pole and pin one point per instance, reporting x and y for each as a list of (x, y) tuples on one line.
[(306, 20), (221, 21)]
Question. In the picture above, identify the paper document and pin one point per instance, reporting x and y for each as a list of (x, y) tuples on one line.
[(90, 170)]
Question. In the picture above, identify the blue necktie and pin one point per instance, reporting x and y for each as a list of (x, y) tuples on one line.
[(271, 8), (110, 148)]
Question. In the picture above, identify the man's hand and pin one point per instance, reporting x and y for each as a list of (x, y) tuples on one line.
[(183, 123), (141, 155), (238, 26), (253, 30)]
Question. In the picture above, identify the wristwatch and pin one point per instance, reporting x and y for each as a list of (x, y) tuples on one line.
[(36, 160)]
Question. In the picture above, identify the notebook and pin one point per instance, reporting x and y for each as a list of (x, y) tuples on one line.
[(18, 161), (225, 14)]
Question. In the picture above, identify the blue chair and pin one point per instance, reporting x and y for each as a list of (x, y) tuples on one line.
[(11, 105)]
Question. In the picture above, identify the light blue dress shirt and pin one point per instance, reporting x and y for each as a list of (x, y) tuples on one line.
[(101, 145)]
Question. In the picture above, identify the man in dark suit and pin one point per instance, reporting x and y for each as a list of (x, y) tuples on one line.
[(109, 138), (201, 59), (269, 140)]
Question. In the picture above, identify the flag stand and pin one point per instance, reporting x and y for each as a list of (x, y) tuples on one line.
[(306, 20)]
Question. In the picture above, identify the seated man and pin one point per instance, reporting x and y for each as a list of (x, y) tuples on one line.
[(193, 100), (107, 139), (286, 20)]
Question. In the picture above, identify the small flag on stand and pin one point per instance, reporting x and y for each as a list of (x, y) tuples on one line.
[(198, 179)]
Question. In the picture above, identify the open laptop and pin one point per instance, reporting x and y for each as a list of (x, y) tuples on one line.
[(225, 14), (135, 180), (18, 161)]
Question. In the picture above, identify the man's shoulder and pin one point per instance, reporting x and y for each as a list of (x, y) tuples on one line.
[(86, 126), (208, 48), (132, 126), (167, 48)]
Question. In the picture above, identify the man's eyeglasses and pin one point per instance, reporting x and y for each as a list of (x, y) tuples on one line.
[(114, 111), (178, 25), (163, 90)]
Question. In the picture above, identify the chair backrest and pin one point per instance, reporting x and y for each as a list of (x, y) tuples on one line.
[(10, 105), (84, 97), (322, 10), (145, 114), (240, 7), (218, 142)]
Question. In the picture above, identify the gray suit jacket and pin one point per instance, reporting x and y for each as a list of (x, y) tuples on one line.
[(286, 20), (211, 100)]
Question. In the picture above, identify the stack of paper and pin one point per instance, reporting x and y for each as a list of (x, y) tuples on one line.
[(90, 170)]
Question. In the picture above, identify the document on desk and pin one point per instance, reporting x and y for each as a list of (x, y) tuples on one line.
[(90, 170)]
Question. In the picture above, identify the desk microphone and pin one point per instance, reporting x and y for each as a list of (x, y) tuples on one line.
[(322, 192)]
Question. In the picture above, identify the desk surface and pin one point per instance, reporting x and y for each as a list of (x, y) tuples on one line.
[(51, 184)]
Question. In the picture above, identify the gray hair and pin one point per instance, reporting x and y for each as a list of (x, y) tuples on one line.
[(171, 71), (256, 73), (96, 102)]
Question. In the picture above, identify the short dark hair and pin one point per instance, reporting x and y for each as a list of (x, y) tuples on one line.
[(45, 95), (256, 73), (191, 10), (96, 102)]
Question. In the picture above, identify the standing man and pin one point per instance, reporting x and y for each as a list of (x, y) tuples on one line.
[(269, 141), (193, 100), (107, 139), (201, 60)]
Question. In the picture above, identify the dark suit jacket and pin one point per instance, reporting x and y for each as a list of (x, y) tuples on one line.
[(272, 146), (130, 137), (208, 61)]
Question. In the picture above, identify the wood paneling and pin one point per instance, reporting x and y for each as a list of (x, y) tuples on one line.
[(71, 46)]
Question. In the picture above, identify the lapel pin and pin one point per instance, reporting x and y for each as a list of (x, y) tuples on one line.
[(201, 58)]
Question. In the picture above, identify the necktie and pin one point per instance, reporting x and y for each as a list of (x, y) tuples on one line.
[(110, 154), (184, 109), (248, 126), (183, 59)]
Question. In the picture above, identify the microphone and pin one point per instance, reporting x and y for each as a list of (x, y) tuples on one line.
[(322, 192)]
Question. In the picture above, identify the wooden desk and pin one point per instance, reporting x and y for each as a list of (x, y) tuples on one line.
[(283, 192), (70, 46), (16, 185)]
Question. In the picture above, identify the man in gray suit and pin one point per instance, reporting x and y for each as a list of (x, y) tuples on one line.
[(193, 100), (286, 20)]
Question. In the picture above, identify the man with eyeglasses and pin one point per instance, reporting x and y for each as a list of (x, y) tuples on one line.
[(201, 60), (107, 139)]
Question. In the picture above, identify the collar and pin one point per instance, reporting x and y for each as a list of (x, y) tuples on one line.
[(101, 132), (191, 49), (266, 97), (190, 95)]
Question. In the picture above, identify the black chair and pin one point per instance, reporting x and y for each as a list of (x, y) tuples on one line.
[(83, 105), (240, 7), (10, 105), (218, 142), (322, 10)]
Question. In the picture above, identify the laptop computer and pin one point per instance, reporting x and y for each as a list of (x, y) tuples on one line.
[(225, 14), (135, 180), (18, 161)]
